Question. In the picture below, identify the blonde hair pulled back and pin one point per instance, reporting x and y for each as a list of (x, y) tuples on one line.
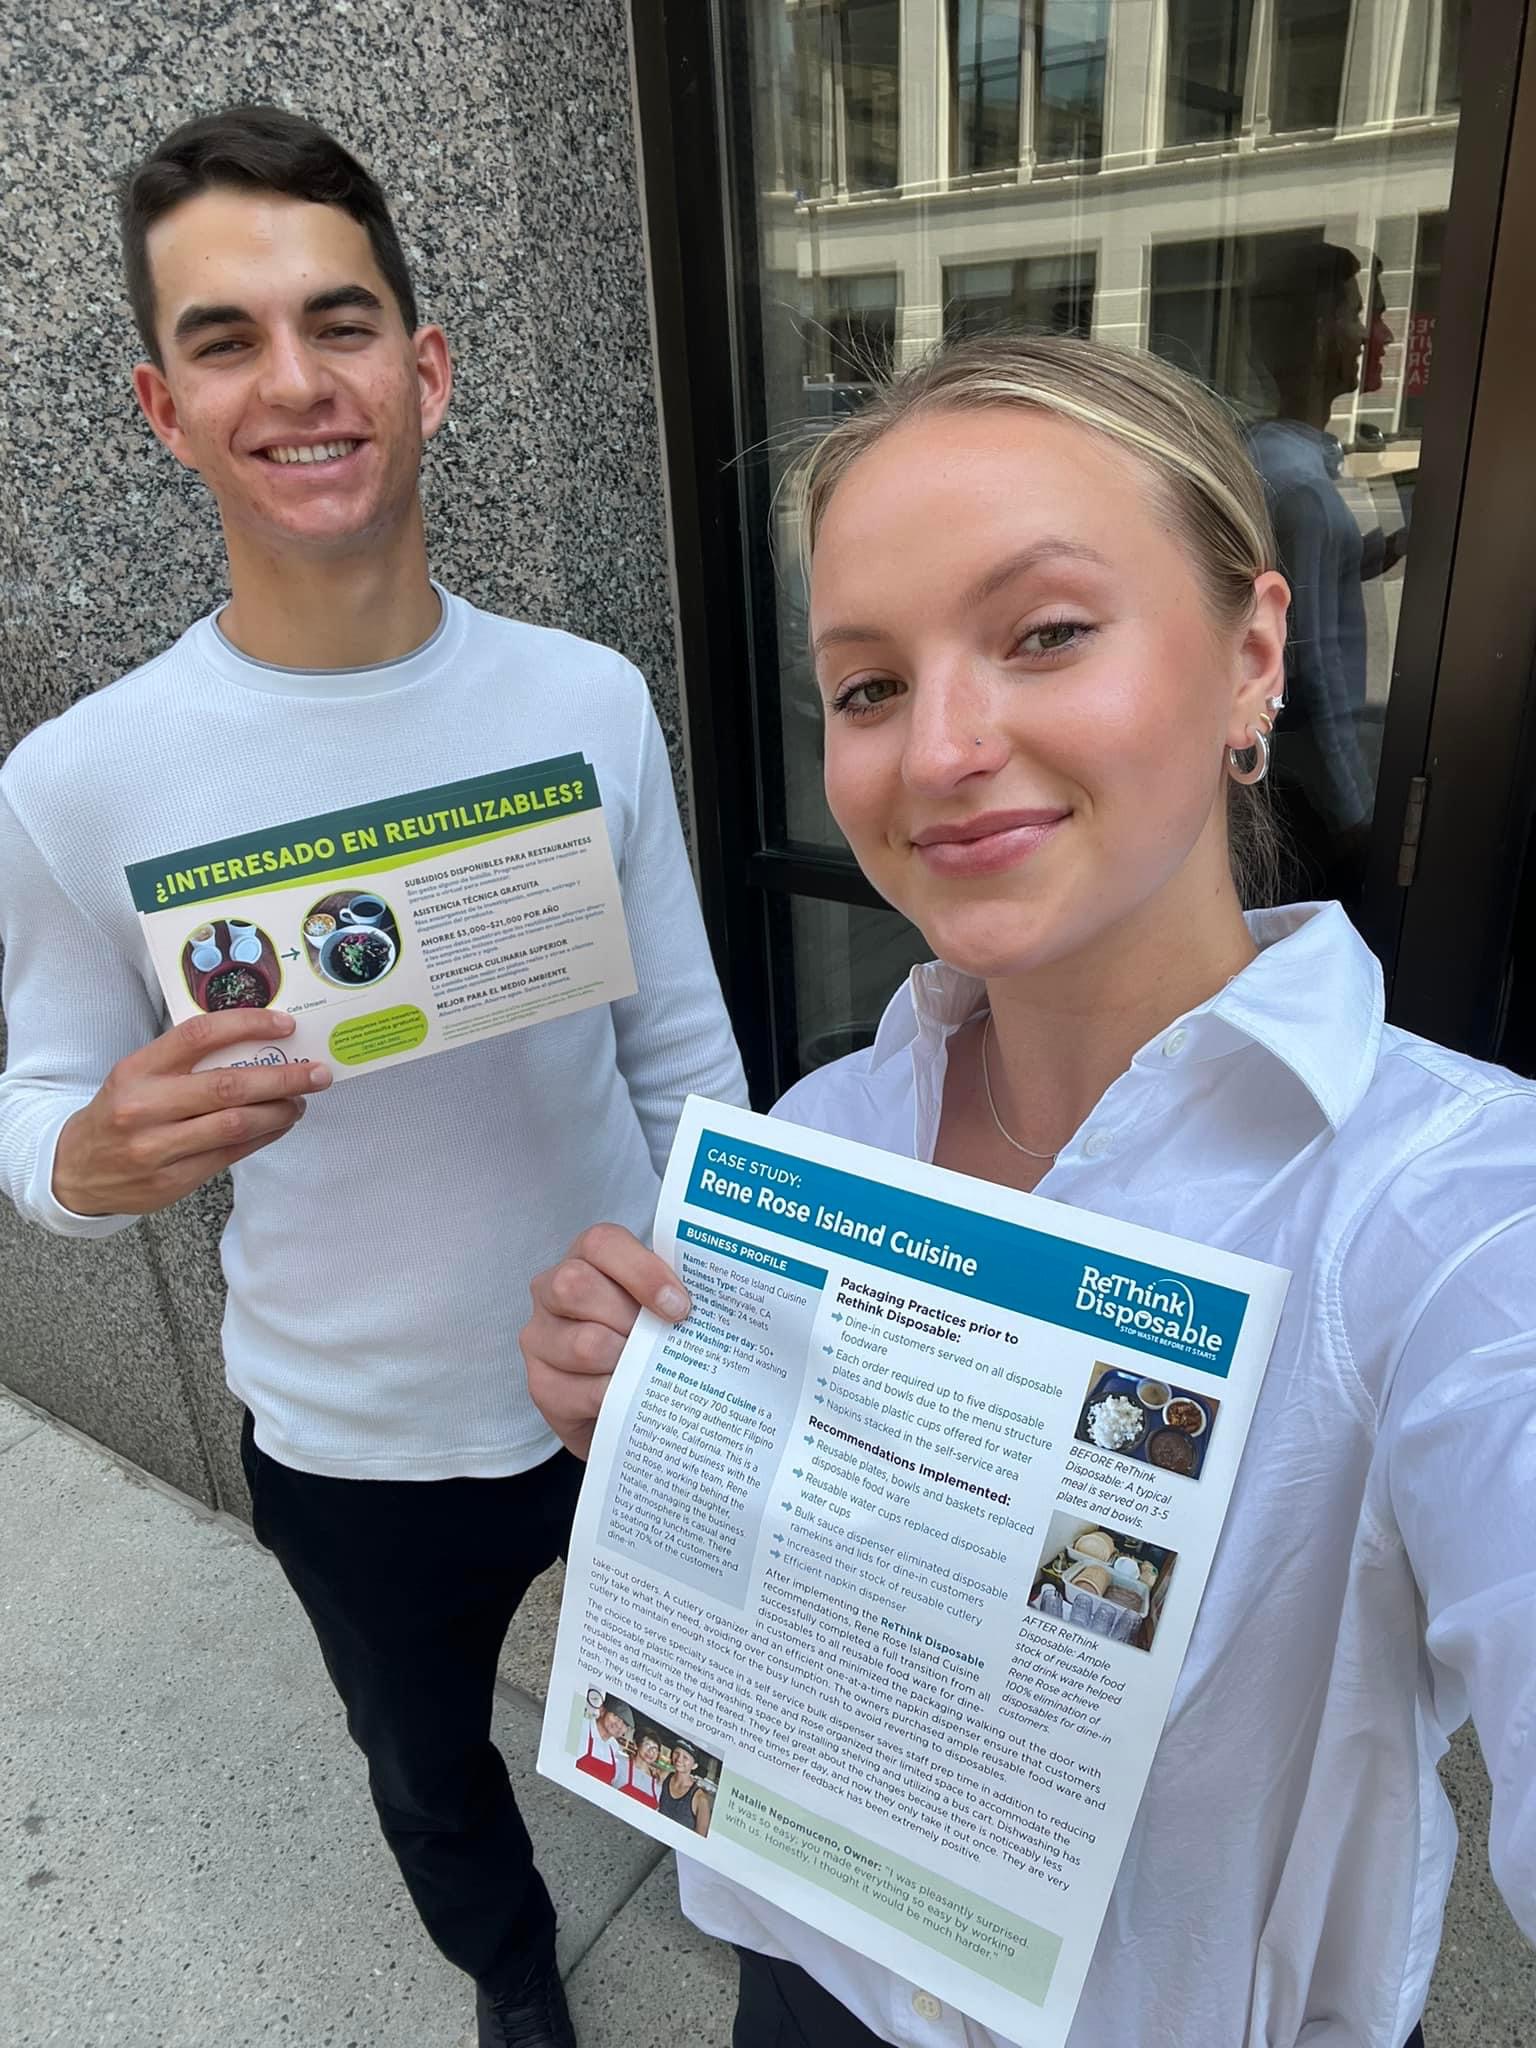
[(1182, 435)]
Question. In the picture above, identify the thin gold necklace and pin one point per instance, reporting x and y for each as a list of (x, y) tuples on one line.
[(1002, 1129)]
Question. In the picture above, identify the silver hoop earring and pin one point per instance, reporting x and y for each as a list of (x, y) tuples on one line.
[(1259, 734), (1260, 767)]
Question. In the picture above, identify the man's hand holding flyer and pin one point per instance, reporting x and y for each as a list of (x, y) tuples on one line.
[(395, 929)]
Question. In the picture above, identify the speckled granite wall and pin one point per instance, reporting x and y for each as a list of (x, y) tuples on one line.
[(503, 137)]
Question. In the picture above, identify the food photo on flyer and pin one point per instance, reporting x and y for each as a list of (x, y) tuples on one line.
[(230, 963), (1102, 1580), (1147, 1419), (352, 938)]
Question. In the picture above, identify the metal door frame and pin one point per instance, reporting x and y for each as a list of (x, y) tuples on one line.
[(1467, 635)]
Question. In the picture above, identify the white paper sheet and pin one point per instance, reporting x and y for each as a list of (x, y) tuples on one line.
[(833, 1534), (397, 929)]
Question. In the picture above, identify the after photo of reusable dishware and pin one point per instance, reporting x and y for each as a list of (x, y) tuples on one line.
[(351, 938), (1103, 1580)]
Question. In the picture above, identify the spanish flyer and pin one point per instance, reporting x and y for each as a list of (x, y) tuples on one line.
[(392, 930), (933, 1473)]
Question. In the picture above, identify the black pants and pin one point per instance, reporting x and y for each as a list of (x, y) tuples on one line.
[(409, 1586), (781, 2007)]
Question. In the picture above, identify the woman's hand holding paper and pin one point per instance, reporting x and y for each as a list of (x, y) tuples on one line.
[(583, 1309)]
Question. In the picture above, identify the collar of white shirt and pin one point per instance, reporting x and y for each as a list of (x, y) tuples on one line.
[(1312, 999)]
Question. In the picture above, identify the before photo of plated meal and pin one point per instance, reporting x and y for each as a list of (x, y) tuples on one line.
[(351, 938), (1147, 1419), (1102, 1580), (228, 963)]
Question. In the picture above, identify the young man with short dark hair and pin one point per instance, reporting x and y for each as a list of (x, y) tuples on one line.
[(380, 1249)]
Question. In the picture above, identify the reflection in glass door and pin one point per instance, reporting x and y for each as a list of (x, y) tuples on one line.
[(1255, 189)]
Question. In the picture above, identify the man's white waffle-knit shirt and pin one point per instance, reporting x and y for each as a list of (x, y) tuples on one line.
[(379, 1254)]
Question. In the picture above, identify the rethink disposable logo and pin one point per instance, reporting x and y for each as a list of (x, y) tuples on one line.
[(1161, 1308)]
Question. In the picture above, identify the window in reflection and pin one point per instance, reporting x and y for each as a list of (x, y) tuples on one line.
[(1428, 56), (1033, 293), (1447, 96), (1202, 304), (1308, 76), (1207, 69), (850, 339), (1070, 43), (869, 49), (1027, 83), (808, 128), (843, 97), (986, 61)]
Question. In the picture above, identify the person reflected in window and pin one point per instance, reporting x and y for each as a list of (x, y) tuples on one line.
[(1312, 343), (1378, 339)]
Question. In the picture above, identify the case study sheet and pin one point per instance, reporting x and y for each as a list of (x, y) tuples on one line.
[(888, 1557), (396, 929)]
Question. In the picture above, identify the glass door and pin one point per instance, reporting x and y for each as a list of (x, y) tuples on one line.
[(1260, 191)]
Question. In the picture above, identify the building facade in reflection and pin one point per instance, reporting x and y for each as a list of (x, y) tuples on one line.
[(1255, 189)]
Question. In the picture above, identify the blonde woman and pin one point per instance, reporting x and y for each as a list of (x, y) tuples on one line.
[(1049, 640)]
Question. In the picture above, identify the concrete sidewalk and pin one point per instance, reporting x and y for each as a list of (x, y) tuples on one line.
[(188, 1857)]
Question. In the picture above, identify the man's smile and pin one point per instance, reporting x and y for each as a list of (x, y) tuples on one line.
[(308, 453)]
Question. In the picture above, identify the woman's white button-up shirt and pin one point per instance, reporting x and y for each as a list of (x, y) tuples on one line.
[(1376, 1577)]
